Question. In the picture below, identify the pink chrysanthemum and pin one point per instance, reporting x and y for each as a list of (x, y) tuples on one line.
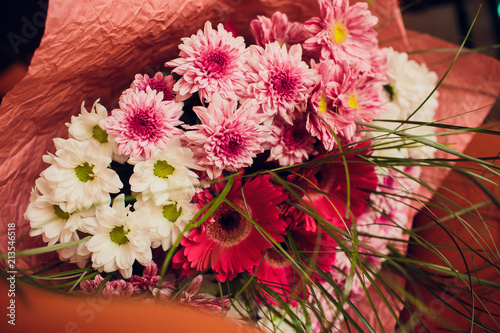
[(149, 282), (143, 122), (160, 83), (289, 144), (191, 297), (343, 97), (212, 60), (113, 288), (342, 32), (279, 80), (227, 242), (277, 29), (227, 138), (379, 67)]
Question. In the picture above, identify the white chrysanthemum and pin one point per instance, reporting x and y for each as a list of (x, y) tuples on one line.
[(85, 127), (77, 254), (167, 221), (329, 314), (166, 175), (80, 176), (121, 238), (343, 262), (411, 84), (50, 219)]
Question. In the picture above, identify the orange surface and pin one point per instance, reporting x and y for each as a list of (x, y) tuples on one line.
[(41, 311)]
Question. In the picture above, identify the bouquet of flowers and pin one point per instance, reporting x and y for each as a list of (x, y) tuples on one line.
[(267, 182)]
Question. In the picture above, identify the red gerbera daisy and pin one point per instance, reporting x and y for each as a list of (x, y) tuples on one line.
[(227, 242), (343, 197), (314, 248)]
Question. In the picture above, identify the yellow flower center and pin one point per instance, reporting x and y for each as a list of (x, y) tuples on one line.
[(339, 33), (323, 107), (353, 102)]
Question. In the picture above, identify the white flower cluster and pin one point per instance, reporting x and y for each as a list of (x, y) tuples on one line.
[(410, 85), (73, 198)]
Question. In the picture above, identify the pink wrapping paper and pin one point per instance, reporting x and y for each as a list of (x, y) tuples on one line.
[(92, 49)]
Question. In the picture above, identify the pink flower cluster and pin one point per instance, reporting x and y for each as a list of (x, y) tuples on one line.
[(274, 128), (294, 96), (141, 286), (301, 85)]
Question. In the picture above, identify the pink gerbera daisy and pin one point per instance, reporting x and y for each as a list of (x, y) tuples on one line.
[(227, 138), (342, 32), (277, 29), (143, 122), (212, 60), (160, 83), (289, 144), (343, 97), (279, 80), (228, 243)]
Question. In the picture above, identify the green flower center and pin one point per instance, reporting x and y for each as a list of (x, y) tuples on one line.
[(118, 235), (84, 172), (390, 90), (99, 134), (171, 213), (162, 169), (60, 213)]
